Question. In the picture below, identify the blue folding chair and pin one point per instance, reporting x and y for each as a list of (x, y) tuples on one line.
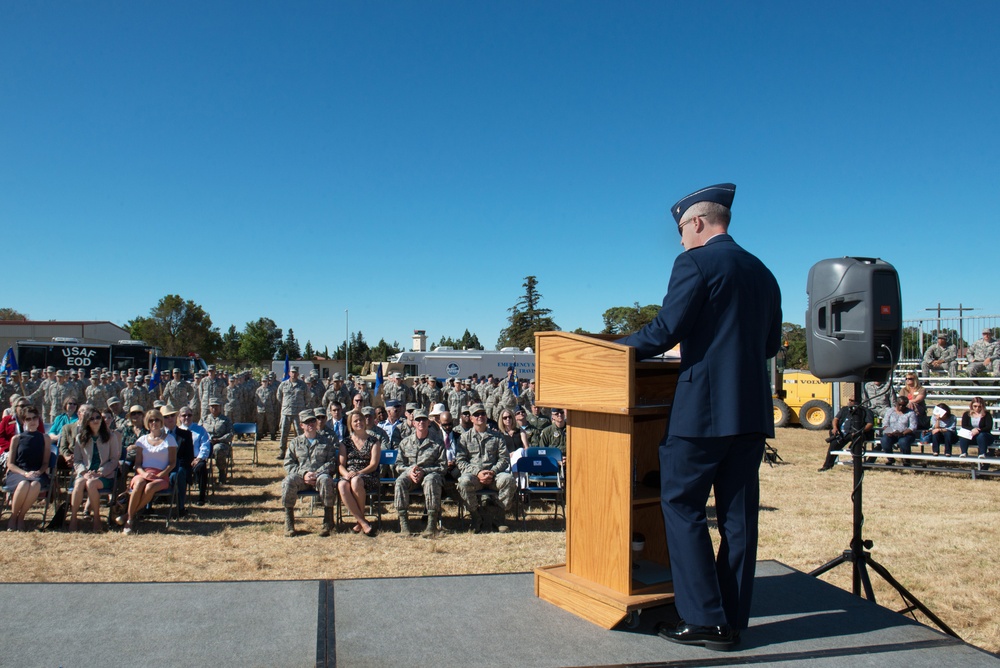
[(539, 477), (243, 429)]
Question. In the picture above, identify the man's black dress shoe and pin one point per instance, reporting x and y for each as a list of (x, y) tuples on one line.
[(711, 637)]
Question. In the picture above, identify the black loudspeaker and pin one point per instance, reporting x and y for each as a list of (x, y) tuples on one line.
[(854, 319)]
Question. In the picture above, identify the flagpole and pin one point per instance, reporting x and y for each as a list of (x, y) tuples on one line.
[(347, 344)]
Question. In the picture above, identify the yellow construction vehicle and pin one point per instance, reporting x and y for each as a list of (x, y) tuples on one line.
[(799, 396)]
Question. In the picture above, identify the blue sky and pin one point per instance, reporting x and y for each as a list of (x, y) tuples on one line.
[(412, 162)]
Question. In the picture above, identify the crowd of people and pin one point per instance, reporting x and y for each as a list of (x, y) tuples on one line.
[(453, 439)]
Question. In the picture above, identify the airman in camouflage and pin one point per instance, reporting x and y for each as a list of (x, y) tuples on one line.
[(484, 464), (337, 392), (59, 393), (521, 418), (422, 463), (983, 355), (311, 463), (267, 409), (292, 396), (220, 432), (178, 392), (394, 390), (940, 357), (96, 393), (211, 387), (457, 398), (233, 408), (431, 394), (554, 436)]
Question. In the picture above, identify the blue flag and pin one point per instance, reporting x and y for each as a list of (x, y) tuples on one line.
[(288, 371), (9, 363), (155, 380), (378, 379)]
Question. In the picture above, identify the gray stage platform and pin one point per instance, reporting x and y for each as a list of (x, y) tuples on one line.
[(434, 621)]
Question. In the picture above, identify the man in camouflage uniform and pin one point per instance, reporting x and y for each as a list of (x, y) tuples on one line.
[(361, 390), (484, 464), (211, 387), (46, 384), (373, 428), (59, 393), (178, 392), (337, 392), (220, 434), (267, 409), (292, 396), (233, 407), (310, 463), (421, 463), (527, 398), (554, 436), (983, 355), (457, 398), (491, 394), (394, 390), (131, 396), (97, 395), (536, 417), (521, 419), (940, 358), (431, 394)]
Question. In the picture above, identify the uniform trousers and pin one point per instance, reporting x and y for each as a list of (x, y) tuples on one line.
[(431, 484), (294, 484), (709, 589), (503, 483), (287, 422)]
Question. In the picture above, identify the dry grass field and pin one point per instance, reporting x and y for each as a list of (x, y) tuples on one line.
[(935, 533)]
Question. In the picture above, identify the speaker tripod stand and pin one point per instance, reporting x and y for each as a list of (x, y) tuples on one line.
[(858, 555)]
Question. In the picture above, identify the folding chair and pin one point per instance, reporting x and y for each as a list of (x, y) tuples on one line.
[(46, 495), (169, 493), (243, 429), (110, 494), (386, 458), (539, 477)]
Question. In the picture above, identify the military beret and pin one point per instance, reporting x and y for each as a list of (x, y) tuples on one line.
[(476, 408), (721, 193), (393, 403), (306, 415), (419, 414)]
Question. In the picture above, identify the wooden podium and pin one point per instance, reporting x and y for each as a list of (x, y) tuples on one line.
[(619, 409)]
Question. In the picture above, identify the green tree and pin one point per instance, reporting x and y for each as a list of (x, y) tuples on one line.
[(308, 353), (290, 346), (259, 341), (230, 350), (178, 327), (794, 337), (382, 351), (526, 318), (467, 341), (7, 313), (627, 319)]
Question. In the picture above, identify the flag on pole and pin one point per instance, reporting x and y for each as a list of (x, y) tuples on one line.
[(9, 362), (155, 380), (288, 369), (378, 380)]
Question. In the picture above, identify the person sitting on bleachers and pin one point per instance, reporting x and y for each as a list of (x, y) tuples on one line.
[(983, 355), (978, 425), (899, 426), (943, 425), (940, 358), (916, 396)]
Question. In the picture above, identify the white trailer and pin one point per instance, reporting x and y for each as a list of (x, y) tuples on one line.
[(445, 362)]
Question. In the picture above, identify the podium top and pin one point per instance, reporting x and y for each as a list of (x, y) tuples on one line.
[(591, 372)]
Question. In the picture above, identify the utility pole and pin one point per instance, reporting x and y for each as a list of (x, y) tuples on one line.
[(961, 329)]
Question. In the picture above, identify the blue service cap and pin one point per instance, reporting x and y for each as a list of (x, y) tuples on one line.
[(721, 193), (393, 403)]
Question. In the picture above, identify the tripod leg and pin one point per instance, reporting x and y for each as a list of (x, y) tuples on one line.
[(861, 572), (830, 565), (910, 598)]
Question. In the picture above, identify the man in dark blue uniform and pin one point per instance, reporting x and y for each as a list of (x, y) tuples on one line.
[(724, 308)]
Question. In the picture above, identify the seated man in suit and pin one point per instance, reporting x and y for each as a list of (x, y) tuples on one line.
[(185, 456)]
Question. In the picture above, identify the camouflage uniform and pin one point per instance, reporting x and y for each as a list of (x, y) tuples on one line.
[(292, 397), (58, 394), (427, 453), (211, 389), (220, 431), (177, 393), (553, 437), (233, 408), (431, 396), (457, 399), (303, 457), (979, 352), (342, 395), (267, 411), (131, 396), (97, 395), (480, 451), (391, 391), (946, 354)]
